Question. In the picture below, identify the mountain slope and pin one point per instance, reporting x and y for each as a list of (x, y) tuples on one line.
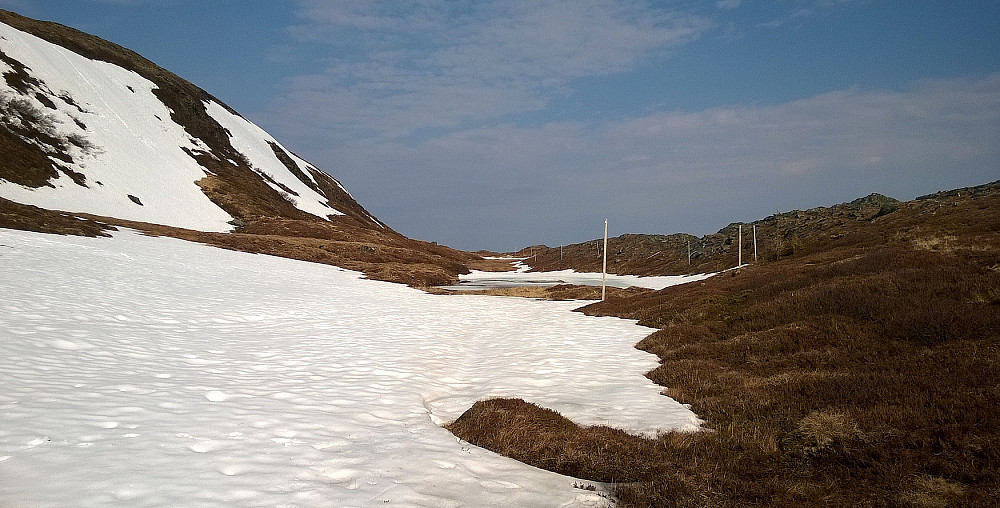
[(93, 127), (779, 236), (93, 136)]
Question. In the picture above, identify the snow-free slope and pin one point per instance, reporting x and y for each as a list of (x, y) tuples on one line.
[(779, 235), (147, 371), (88, 126)]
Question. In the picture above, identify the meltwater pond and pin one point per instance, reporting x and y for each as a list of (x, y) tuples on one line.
[(520, 277)]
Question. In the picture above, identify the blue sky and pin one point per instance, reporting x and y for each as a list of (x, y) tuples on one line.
[(502, 124)]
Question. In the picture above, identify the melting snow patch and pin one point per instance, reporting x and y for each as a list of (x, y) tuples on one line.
[(253, 142), (521, 277), (328, 397)]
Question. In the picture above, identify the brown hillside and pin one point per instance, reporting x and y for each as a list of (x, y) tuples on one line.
[(778, 236), (860, 369), (380, 255)]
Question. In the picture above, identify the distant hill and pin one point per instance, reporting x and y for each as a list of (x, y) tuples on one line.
[(781, 235)]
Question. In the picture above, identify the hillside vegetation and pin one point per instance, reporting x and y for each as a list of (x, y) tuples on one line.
[(778, 236), (380, 255), (859, 368)]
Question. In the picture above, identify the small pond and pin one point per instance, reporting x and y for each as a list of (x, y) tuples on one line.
[(478, 280)]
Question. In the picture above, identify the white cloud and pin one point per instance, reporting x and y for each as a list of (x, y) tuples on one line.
[(413, 112), (397, 67), (507, 186), (851, 139)]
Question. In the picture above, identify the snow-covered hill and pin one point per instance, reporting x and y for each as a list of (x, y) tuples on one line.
[(87, 126)]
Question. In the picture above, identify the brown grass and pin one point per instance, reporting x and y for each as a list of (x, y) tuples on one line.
[(380, 255), (934, 492), (780, 236), (492, 265), (31, 218), (862, 371), (544, 438)]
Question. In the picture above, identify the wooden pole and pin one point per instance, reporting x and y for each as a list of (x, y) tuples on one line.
[(739, 247), (604, 266), (754, 243)]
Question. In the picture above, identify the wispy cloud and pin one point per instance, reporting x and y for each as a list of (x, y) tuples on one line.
[(418, 103), (798, 10), (396, 67), (694, 171)]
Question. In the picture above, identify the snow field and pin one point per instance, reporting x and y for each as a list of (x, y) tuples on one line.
[(155, 372)]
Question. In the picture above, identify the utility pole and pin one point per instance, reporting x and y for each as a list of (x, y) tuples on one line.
[(739, 247), (604, 266), (754, 243)]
